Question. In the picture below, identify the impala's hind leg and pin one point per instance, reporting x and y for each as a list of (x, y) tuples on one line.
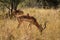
[(20, 22), (30, 27)]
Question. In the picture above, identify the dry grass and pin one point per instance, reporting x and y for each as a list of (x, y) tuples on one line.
[(9, 30)]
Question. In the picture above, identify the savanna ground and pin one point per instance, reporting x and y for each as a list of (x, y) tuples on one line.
[(9, 30)]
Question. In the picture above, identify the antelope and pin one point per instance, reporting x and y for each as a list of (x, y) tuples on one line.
[(28, 18)]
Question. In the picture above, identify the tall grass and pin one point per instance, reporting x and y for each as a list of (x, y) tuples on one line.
[(9, 30)]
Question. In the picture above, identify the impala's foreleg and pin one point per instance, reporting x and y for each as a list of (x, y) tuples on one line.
[(45, 23)]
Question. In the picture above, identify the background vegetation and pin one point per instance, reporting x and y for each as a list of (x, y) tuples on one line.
[(31, 3)]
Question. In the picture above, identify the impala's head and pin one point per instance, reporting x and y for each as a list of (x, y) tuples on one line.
[(18, 13)]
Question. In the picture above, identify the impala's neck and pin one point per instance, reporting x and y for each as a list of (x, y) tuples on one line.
[(39, 27)]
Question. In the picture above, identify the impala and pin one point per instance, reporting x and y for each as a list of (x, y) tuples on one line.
[(21, 17)]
